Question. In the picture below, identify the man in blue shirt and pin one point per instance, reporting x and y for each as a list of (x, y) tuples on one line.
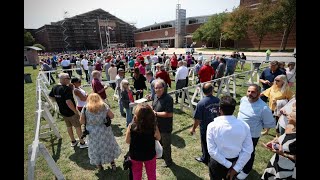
[(207, 109), (257, 114), (268, 75), (231, 65)]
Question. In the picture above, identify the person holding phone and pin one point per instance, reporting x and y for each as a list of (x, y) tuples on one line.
[(282, 164)]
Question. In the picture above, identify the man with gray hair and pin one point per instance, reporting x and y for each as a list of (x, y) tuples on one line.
[(63, 95), (181, 78), (163, 109)]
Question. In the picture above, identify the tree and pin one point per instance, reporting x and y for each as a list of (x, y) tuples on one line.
[(28, 38), (286, 17), (40, 46), (236, 25), (263, 20), (211, 30)]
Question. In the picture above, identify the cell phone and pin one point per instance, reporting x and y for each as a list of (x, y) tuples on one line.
[(269, 145)]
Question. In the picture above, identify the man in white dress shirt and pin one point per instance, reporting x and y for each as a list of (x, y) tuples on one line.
[(229, 142), (181, 78)]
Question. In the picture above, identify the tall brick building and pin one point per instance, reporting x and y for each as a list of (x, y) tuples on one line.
[(164, 33), (85, 31)]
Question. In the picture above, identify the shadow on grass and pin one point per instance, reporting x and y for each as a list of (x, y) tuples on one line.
[(117, 131), (56, 154), (180, 130), (108, 173), (177, 141), (177, 110), (81, 158), (183, 173), (253, 175)]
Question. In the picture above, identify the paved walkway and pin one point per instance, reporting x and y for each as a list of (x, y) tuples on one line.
[(252, 54)]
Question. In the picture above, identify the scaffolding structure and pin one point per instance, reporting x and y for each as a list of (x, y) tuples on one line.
[(92, 30)]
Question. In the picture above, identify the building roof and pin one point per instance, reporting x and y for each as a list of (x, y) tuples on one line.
[(33, 47), (172, 22)]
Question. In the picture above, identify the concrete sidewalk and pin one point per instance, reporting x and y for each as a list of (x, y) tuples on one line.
[(197, 51)]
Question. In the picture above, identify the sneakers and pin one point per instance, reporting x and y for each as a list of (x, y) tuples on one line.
[(74, 143), (242, 175), (82, 146)]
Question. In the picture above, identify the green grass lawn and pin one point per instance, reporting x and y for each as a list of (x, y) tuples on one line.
[(74, 162)]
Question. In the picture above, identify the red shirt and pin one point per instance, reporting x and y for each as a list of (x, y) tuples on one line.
[(97, 86), (130, 96), (205, 73), (174, 61), (98, 67), (136, 64), (164, 76)]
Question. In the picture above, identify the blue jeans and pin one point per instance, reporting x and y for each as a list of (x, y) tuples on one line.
[(107, 77), (120, 106), (129, 115), (267, 58)]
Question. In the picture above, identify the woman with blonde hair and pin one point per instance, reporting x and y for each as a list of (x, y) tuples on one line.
[(278, 91), (126, 96), (103, 147), (141, 135)]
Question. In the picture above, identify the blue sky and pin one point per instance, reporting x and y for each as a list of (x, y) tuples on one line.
[(141, 12)]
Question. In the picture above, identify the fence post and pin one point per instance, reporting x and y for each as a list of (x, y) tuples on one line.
[(52, 164), (31, 164)]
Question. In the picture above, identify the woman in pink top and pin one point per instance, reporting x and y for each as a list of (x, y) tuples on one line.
[(142, 68)]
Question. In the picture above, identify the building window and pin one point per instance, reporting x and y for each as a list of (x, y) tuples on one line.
[(193, 21)]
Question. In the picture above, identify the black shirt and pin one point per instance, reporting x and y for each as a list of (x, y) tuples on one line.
[(140, 83), (163, 104), (120, 64), (62, 93), (267, 74), (142, 145), (54, 64)]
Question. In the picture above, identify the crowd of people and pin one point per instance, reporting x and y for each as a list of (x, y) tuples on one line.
[(228, 143)]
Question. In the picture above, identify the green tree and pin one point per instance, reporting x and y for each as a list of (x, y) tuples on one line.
[(211, 30), (236, 25), (263, 20), (28, 38), (286, 17), (40, 46)]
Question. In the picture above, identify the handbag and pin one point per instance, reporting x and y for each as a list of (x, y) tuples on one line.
[(108, 121), (159, 149)]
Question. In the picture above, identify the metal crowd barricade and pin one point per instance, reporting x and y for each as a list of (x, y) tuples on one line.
[(37, 148)]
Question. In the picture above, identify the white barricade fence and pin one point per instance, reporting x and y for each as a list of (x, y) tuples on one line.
[(37, 148)]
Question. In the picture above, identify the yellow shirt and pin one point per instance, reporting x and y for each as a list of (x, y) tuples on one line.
[(274, 94)]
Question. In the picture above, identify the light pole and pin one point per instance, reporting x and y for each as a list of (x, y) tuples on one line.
[(100, 34), (220, 41)]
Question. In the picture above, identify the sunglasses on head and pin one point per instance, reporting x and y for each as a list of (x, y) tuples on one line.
[(277, 80)]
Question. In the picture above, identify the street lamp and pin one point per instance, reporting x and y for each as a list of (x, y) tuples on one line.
[(220, 41)]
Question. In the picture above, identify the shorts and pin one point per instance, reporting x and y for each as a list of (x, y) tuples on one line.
[(72, 120)]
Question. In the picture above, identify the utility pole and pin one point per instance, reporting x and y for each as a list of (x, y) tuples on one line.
[(282, 40), (220, 41), (100, 34)]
